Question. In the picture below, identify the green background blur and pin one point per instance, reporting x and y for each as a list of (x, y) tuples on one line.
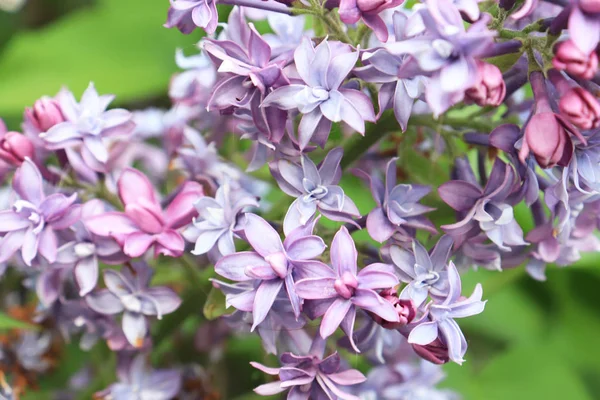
[(534, 340)]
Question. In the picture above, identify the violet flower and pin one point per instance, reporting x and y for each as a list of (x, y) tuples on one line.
[(139, 382), (398, 206), (320, 98), (351, 11), (271, 266), (425, 274), (288, 33), (441, 318), (144, 224), (486, 210), (199, 76), (446, 51), (399, 86), (87, 126), (218, 219), (32, 222), (186, 15), (311, 376), (128, 292), (344, 289), (314, 189)]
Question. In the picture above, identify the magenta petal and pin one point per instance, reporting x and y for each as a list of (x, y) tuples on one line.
[(137, 243), (135, 187), (181, 209), (170, 243)]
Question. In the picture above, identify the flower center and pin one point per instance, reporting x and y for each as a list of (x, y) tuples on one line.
[(279, 264), (443, 47), (320, 93), (346, 285), (28, 211), (83, 250), (428, 279)]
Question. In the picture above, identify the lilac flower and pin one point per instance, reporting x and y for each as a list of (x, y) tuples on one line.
[(88, 126), (351, 11), (249, 75), (31, 223), (128, 292), (144, 224), (584, 25), (288, 33), (446, 51), (425, 274), (315, 189), (417, 382), (398, 208), (271, 265), (198, 77), (186, 15), (320, 98), (441, 318), (310, 376), (218, 220), (400, 87), (139, 382), (344, 290), (484, 210)]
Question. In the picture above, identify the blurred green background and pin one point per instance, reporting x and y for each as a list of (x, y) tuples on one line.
[(534, 340)]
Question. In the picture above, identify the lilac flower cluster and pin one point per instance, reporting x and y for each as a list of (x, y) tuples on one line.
[(132, 196)]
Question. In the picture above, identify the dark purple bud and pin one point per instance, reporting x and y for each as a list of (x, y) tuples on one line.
[(44, 114), (489, 88), (569, 58), (14, 148), (404, 307), (435, 352)]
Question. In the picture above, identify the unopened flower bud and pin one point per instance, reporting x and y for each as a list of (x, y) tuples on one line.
[(489, 89), (44, 114), (405, 308), (14, 147), (581, 108), (569, 58), (435, 352), (590, 6)]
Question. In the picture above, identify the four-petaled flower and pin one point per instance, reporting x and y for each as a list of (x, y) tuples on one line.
[(144, 224)]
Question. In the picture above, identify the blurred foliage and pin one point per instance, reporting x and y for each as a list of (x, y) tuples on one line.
[(534, 341)]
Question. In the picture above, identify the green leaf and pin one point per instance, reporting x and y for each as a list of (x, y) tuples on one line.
[(505, 61), (120, 45), (7, 322), (215, 305)]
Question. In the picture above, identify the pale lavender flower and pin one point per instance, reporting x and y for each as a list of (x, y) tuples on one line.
[(218, 220), (193, 83), (288, 33), (311, 376), (440, 318), (417, 382), (426, 274), (351, 11), (398, 211), (344, 289), (487, 210), (584, 25), (321, 98), (144, 224), (446, 51), (87, 127), (31, 223), (128, 292), (271, 266), (314, 189), (399, 86), (186, 15), (139, 382)]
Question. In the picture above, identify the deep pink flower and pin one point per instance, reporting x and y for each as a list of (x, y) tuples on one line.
[(15, 147), (44, 114), (144, 224), (581, 108), (489, 88), (568, 57)]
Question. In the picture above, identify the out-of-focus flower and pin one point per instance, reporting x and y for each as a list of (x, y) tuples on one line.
[(314, 189), (128, 292), (398, 206), (87, 127), (288, 33), (321, 98), (581, 108), (584, 25), (138, 382), (345, 289), (310, 376), (15, 147), (351, 11), (569, 58), (442, 316), (31, 223), (197, 79), (144, 224), (489, 88), (218, 219)]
